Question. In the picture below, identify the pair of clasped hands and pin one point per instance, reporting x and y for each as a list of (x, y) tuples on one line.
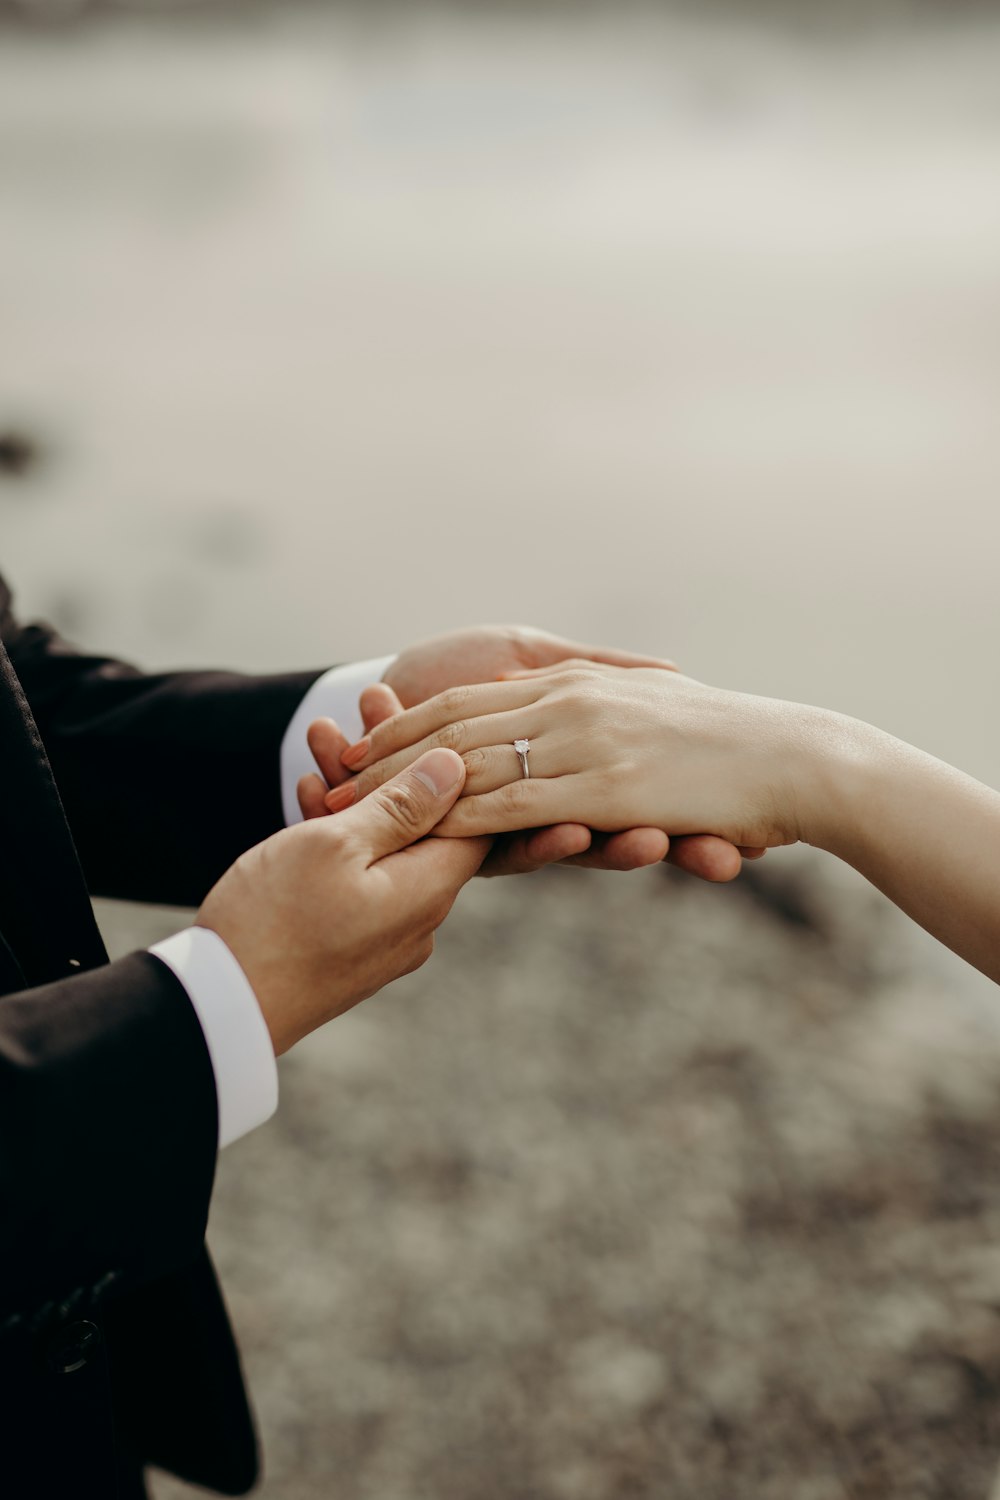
[(579, 708), (325, 913), (631, 763)]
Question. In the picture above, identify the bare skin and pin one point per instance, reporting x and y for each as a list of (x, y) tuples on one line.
[(487, 653), (520, 853), (325, 914), (322, 915), (615, 748)]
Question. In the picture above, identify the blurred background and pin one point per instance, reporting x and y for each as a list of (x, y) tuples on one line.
[(324, 327)]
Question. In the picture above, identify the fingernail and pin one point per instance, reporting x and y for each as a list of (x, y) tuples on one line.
[(439, 770), (341, 796), (355, 754)]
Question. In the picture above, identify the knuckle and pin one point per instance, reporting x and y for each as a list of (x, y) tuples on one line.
[(514, 796), (475, 763), (401, 801), (452, 736), (576, 673), (332, 834), (335, 833), (453, 700)]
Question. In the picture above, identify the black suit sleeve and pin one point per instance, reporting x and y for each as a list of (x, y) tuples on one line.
[(165, 778), (108, 1135)]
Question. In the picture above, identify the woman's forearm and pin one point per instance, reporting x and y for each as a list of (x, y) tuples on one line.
[(924, 833)]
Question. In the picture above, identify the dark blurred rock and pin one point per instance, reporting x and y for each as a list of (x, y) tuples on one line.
[(19, 452)]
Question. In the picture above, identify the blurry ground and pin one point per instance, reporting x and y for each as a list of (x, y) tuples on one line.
[(325, 327), (640, 1189)]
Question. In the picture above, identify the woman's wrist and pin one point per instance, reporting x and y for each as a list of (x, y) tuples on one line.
[(845, 759)]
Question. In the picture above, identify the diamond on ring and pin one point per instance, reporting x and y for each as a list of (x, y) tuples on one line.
[(523, 748)]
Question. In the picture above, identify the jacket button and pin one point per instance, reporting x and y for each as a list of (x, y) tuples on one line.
[(74, 1346)]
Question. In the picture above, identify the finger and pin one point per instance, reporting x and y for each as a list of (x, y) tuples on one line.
[(554, 669), (438, 868), (706, 856), (612, 658), (447, 711), (378, 703), (311, 791), (529, 804), (327, 744), (574, 844), (409, 806), (633, 849), (486, 744), (523, 853), (516, 806), (751, 852), (558, 650), (602, 663), (489, 767)]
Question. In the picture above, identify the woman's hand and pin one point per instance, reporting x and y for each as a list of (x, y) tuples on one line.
[(616, 749), (610, 748)]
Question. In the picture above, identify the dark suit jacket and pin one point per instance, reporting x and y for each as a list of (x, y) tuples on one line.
[(115, 1348)]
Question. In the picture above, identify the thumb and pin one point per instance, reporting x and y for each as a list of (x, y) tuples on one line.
[(410, 805)]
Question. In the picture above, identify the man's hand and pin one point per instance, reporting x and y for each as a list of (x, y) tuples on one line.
[(324, 914), (487, 652)]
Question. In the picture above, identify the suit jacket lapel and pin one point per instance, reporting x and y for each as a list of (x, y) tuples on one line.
[(46, 917)]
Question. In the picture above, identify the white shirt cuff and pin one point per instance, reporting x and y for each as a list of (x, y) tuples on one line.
[(333, 696), (236, 1034)]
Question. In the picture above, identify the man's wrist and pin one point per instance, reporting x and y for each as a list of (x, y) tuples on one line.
[(236, 1034)]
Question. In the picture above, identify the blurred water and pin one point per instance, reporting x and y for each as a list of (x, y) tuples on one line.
[(341, 326)]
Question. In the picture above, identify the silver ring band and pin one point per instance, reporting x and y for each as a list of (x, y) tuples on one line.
[(523, 748)]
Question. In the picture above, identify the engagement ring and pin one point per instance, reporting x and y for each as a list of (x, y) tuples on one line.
[(523, 748)]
